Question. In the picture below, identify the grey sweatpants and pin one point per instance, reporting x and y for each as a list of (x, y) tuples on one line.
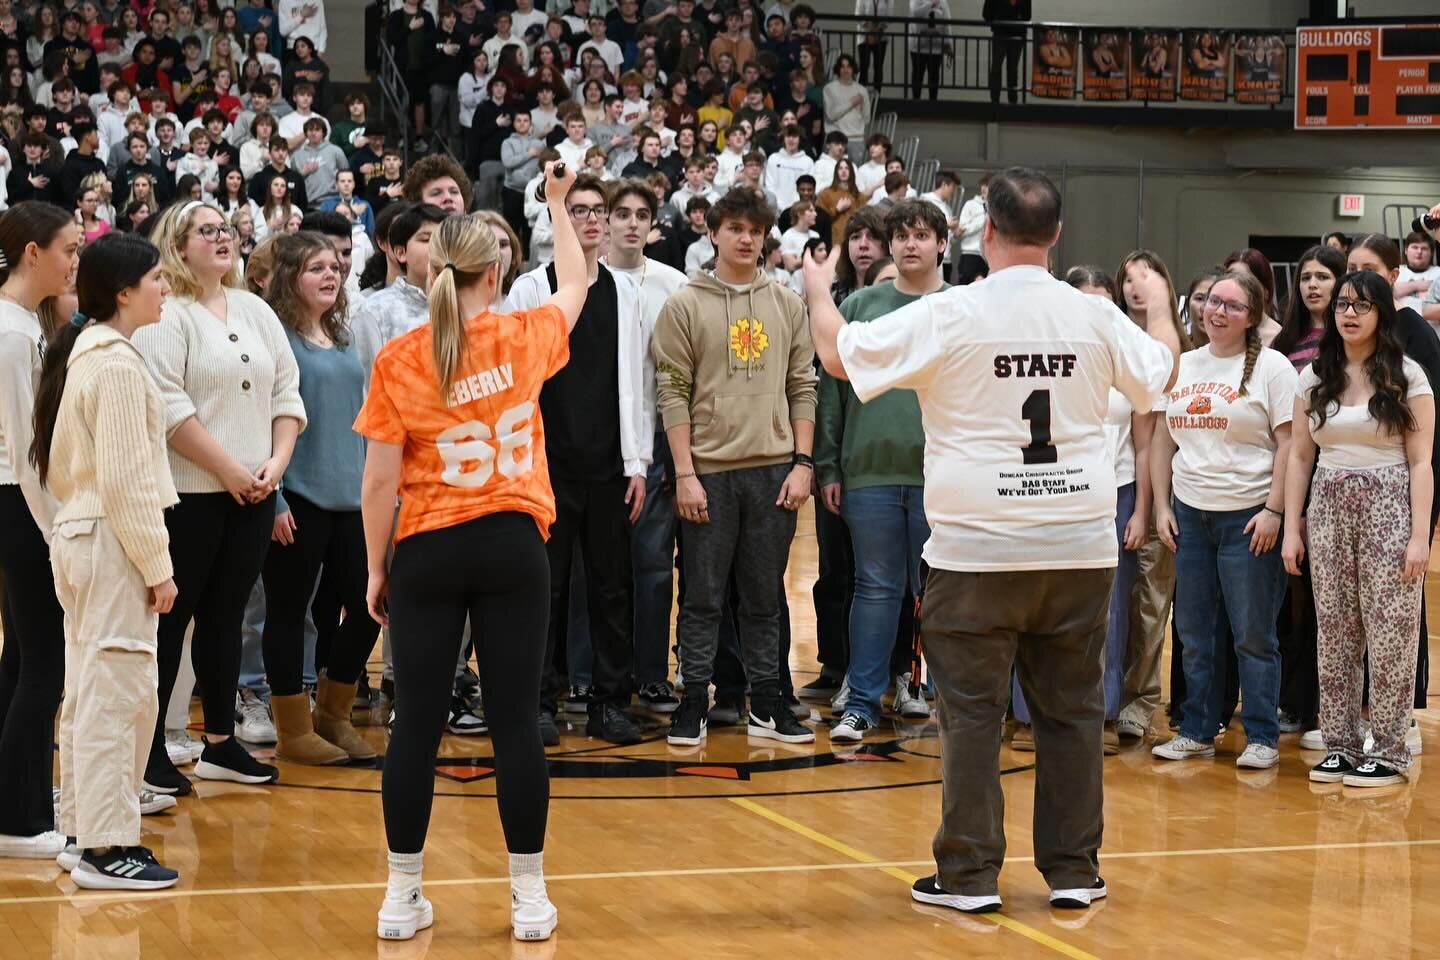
[(1049, 625), (749, 533)]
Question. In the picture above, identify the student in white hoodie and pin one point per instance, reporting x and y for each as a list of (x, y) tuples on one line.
[(786, 165), (732, 158), (972, 226)]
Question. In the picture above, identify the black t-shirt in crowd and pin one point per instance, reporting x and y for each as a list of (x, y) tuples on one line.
[(581, 403)]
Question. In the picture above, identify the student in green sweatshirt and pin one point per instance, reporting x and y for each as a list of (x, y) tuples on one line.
[(871, 463), (736, 391)]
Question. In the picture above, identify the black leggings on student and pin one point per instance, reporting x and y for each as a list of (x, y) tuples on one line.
[(336, 540), (32, 671), (217, 547), (494, 570)]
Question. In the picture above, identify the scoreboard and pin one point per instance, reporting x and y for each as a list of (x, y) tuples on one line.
[(1380, 76)]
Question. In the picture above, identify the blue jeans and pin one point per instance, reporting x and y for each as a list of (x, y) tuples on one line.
[(1214, 566), (888, 529), (1117, 637)]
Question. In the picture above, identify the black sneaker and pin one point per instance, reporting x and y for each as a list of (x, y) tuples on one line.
[(659, 696), (770, 718), (467, 719), (821, 688), (1373, 773), (687, 724), (927, 890), (122, 868), (579, 699), (468, 684), (227, 760), (549, 732), (1080, 897), (609, 723), (728, 711), (161, 775), (1332, 769)]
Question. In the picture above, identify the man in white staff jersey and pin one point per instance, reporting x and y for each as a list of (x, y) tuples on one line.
[(1013, 374)]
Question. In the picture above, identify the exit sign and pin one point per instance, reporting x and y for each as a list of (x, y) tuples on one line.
[(1351, 205)]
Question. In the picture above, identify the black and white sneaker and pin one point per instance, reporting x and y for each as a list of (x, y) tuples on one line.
[(1080, 897), (1332, 769), (771, 719), (852, 726), (659, 696), (466, 719), (122, 868), (467, 684), (688, 723), (821, 688), (579, 699), (1373, 773), (227, 760), (161, 775), (927, 890)]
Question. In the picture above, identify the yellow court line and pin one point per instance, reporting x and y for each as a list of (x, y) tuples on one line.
[(998, 919)]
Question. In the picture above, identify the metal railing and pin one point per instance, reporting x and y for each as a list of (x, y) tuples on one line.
[(923, 175), (394, 95), (884, 123), (965, 49), (907, 150)]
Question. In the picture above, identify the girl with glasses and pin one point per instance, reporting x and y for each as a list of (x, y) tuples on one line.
[(233, 413), (1223, 447), (1370, 411)]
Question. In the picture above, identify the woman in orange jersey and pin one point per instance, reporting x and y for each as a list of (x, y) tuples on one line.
[(453, 420)]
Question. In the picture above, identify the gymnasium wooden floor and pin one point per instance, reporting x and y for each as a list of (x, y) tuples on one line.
[(767, 850)]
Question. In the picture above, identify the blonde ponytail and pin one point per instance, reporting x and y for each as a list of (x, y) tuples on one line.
[(461, 250)]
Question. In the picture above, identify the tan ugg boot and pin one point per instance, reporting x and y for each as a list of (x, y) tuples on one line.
[(332, 719), (297, 740)]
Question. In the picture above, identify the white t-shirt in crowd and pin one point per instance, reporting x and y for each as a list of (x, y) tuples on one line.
[(1416, 301), (869, 174), (656, 281), (1225, 443), (1013, 374), (1350, 438), (793, 241), (1118, 437)]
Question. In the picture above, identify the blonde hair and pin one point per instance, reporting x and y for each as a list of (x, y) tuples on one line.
[(495, 219), (261, 264), (462, 248), (171, 233)]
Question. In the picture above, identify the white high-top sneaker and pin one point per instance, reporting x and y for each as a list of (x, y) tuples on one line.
[(403, 914), (532, 915)]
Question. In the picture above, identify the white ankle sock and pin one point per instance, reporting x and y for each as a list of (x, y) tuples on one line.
[(527, 865), (405, 871)]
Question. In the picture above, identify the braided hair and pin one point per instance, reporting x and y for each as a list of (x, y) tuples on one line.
[(1256, 299)]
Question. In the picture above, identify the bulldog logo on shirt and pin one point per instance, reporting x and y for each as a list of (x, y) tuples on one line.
[(748, 339), (1198, 406)]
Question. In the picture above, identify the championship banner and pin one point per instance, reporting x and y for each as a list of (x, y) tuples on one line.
[(1052, 68), (1154, 55), (1205, 67), (1260, 66), (1107, 60)]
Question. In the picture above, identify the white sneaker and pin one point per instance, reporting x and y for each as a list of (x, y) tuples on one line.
[(532, 915), (842, 696), (1312, 740), (69, 858), (182, 748), (42, 846), (1257, 756), (255, 724), (1412, 740), (906, 705), (1133, 722), (1182, 748), (401, 917), (1078, 898), (152, 802)]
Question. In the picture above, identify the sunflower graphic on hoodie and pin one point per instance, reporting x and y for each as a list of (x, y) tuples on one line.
[(748, 339)]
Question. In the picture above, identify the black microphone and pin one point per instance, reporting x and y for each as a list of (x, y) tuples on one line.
[(558, 170), (1425, 224)]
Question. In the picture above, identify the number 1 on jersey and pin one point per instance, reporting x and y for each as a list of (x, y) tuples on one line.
[(1036, 411)]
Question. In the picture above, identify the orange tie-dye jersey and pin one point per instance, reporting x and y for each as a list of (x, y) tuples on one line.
[(481, 448)]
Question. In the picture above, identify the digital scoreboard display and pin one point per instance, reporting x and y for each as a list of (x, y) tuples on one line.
[(1381, 76)]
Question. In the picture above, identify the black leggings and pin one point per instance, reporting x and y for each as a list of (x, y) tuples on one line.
[(217, 547), (493, 569), (336, 539), (32, 671)]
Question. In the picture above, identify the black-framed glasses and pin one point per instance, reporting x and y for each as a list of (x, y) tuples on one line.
[(585, 213), (211, 232), (1361, 307), (1233, 308)]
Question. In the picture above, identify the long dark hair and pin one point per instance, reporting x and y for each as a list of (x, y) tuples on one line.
[(1259, 266), (115, 262), (1297, 320), (27, 222), (1385, 367)]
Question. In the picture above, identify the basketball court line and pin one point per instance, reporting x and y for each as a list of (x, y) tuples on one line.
[(869, 864)]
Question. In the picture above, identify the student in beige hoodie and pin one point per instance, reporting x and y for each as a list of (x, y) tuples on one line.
[(100, 449), (736, 390)]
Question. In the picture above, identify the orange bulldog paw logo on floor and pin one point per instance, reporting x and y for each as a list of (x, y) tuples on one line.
[(1200, 405)]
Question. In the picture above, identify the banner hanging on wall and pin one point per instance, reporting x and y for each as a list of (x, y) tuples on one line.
[(1153, 58), (1107, 59), (1205, 66), (1052, 68), (1260, 65)]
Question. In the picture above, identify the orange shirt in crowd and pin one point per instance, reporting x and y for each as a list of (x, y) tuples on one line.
[(481, 449)]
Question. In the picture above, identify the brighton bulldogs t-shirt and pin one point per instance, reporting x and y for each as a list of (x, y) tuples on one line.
[(480, 449), (1225, 443), (1013, 374)]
